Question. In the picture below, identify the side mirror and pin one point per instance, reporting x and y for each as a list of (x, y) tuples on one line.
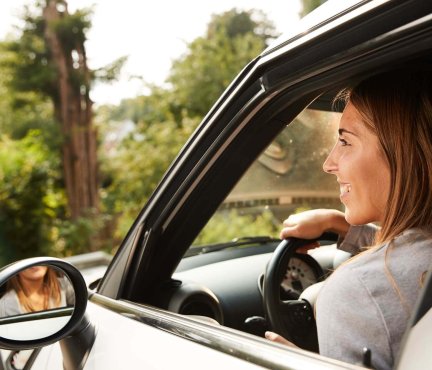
[(42, 300)]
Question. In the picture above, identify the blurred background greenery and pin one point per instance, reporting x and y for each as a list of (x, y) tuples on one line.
[(73, 177)]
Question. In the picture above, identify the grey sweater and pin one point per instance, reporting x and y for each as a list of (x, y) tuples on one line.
[(368, 301), (10, 305)]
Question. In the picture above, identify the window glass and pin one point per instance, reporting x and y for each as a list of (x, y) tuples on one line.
[(285, 179)]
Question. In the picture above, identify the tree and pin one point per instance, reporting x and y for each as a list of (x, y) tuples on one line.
[(64, 37), (200, 76), (48, 64), (51, 60), (165, 118)]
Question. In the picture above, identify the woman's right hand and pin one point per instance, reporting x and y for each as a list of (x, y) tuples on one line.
[(311, 224)]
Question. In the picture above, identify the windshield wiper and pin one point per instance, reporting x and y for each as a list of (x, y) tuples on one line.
[(238, 242)]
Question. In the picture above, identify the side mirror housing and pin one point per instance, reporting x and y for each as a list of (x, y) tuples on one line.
[(38, 327)]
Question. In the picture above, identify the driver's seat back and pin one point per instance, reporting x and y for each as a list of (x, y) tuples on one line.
[(416, 348)]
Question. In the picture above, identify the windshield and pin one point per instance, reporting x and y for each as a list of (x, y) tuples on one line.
[(286, 178)]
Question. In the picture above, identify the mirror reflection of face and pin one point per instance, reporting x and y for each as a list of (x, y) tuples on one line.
[(35, 302), (36, 273)]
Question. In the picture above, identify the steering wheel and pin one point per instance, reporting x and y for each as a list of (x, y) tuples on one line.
[(292, 319)]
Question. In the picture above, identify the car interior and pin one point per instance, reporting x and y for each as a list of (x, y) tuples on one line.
[(241, 236), (221, 275)]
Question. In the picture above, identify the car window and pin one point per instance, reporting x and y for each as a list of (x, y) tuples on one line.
[(286, 178)]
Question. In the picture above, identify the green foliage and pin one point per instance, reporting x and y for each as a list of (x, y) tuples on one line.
[(309, 5), (155, 107), (235, 23), (111, 71), (233, 224), (203, 73), (72, 28), (29, 94), (71, 237), (33, 204), (33, 218), (30, 61), (29, 198), (165, 118), (138, 164), (27, 60), (35, 113)]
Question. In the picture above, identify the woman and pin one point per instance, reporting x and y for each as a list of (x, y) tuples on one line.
[(35, 289), (383, 164)]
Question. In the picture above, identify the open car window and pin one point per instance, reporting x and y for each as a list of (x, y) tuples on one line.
[(286, 178)]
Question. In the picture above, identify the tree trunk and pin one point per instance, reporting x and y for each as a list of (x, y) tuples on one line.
[(73, 109)]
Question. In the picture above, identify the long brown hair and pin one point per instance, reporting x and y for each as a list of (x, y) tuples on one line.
[(397, 107), (51, 290)]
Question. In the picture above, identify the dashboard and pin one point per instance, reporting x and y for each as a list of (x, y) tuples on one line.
[(226, 285)]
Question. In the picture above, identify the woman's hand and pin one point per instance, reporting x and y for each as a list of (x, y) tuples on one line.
[(278, 339), (311, 224)]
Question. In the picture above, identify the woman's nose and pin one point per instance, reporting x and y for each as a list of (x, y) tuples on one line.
[(330, 164)]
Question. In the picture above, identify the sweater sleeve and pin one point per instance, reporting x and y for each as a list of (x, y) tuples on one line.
[(357, 237), (67, 291), (9, 304)]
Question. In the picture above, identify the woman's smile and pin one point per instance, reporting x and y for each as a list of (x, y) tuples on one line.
[(345, 188)]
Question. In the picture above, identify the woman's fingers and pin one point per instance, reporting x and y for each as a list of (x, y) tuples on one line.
[(278, 339)]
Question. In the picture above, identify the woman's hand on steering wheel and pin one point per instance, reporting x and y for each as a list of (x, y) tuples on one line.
[(311, 224)]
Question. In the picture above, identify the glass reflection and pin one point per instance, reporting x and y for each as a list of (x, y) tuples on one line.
[(37, 302)]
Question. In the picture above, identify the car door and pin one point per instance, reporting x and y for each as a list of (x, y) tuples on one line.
[(129, 310)]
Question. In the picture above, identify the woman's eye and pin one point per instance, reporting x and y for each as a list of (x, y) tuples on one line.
[(343, 142)]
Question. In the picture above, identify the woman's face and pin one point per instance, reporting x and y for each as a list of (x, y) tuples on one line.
[(361, 170), (33, 273)]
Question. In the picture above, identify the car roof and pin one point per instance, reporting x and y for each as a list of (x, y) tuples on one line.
[(329, 10)]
